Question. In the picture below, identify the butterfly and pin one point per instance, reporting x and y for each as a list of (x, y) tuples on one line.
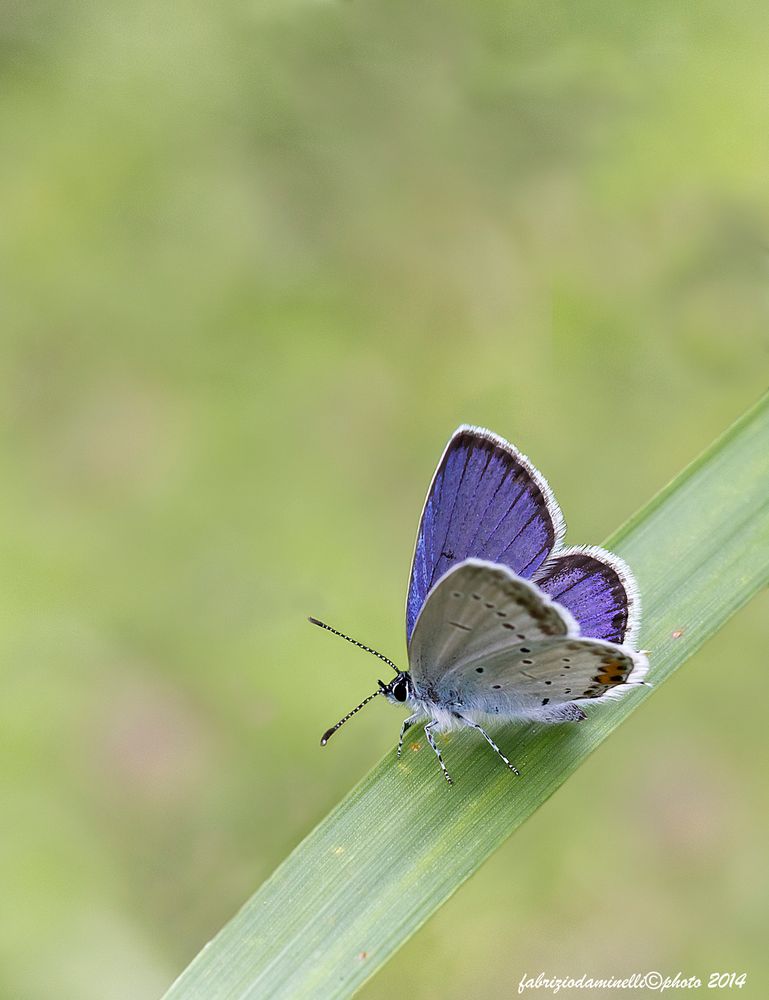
[(502, 621)]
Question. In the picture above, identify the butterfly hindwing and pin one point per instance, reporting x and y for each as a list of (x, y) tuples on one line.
[(486, 501), (554, 673), (597, 587)]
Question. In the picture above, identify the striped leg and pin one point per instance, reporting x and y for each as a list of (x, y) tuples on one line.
[(436, 751), (407, 724), (490, 741)]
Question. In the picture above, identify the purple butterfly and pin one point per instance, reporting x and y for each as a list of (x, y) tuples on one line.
[(502, 622)]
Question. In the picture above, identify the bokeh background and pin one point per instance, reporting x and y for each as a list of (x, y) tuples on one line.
[(258, 261)]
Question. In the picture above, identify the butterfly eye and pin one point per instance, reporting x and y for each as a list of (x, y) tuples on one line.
[(399, 692)]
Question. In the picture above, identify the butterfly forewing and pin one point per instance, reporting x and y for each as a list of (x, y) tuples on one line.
[(486, 501), (478, 609), (488, 642)]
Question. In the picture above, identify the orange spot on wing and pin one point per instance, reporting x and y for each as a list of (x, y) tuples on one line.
[(612, 669)]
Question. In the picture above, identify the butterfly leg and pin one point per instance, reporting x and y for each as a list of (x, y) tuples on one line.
[(407, 724), (436, 751), (489, 740)]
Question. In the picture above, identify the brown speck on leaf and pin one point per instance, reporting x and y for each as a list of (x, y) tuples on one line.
[(677, 634), (415, 747), (363, 955)]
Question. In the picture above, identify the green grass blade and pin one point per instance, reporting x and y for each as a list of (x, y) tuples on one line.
[(402, 841)]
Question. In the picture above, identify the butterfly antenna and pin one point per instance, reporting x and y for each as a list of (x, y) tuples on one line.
[(355, 642), (330, 732)]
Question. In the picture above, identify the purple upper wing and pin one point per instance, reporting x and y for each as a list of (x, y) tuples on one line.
[(487, 501), (599, 590)]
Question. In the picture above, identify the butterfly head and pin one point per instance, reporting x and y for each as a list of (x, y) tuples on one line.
[(399, 689)]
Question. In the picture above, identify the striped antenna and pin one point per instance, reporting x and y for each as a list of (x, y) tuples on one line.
[(330, 732), (355, 642)]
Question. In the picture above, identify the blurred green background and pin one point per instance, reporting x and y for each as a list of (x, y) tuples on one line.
[(258, 261)]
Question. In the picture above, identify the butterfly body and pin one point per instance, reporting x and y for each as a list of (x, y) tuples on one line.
[(502, 622)]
